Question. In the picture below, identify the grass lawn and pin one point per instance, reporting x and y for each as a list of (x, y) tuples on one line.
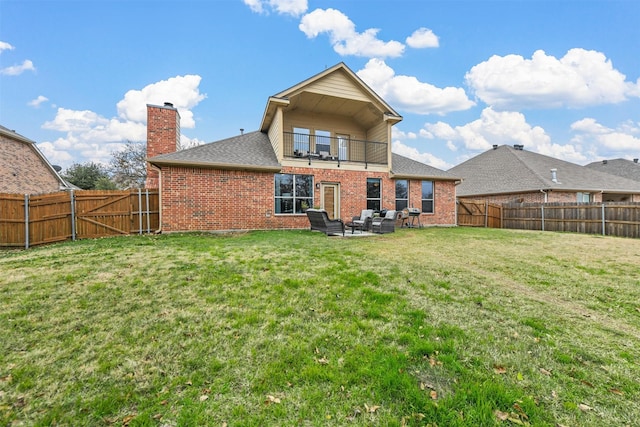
[(428, 327)]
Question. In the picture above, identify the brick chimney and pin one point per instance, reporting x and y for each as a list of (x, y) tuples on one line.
[(163, 135)]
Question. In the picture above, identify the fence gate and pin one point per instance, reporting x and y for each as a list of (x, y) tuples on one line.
[(28, 220), (479, 213)]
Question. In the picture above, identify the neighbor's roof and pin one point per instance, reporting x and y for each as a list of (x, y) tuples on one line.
[(406, 168), (506, 170), (249, 151), (619, 167)]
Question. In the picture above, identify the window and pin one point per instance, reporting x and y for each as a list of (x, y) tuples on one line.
[(584, 197), (427, 196), (323, 141), (373, 194), (301, 140), (402, 194), (293, 193)]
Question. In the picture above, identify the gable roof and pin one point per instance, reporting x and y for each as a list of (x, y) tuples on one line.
[(505, 170), (64, 185), (619, 167), (405, 168), (352, 85), (249, 151)]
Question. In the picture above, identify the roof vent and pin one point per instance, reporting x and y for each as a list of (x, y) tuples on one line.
[(168, 104), (604, 162), (495, 146), (241, 131), (635, 160), (518, 147), (554, 175)]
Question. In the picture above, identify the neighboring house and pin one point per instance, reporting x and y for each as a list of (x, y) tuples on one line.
[(511, 174), (23, 167), (619, 167), (324, 142)]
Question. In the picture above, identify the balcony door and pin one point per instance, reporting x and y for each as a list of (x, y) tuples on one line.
[(330, 199)]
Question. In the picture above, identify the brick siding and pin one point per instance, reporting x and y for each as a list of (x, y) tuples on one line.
[(22, 170), (195, 199)]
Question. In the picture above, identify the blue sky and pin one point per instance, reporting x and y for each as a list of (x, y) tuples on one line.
[(561, 78)]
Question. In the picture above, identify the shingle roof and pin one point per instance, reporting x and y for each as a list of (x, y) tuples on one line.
[(505, 170), (404, 167), (252, 151), (619, 167)]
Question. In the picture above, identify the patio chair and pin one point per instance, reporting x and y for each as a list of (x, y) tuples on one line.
[(364, 220), (385, 224), (319, 220)]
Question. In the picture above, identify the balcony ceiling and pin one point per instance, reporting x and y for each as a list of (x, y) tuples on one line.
[(364, 113)]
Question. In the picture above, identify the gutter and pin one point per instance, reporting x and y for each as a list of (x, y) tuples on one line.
[(210, 165)]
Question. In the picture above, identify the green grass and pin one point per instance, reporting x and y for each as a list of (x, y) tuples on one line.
[(430, 327)]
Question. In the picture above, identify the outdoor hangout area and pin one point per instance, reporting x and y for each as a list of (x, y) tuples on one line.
[(367, 222)]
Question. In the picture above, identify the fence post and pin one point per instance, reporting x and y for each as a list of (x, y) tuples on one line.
[(486, 213), (542, 208), (148, 213), (139, 211), (73, 215), (26, 221), (604, 232)]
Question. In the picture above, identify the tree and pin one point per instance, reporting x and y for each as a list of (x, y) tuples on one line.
[(128, 167), (88, 176)]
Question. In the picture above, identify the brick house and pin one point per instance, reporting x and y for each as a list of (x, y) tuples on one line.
[(23, 167), (507, 174), (323, 142)]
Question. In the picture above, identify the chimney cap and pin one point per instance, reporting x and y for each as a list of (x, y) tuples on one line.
[(168, 104)]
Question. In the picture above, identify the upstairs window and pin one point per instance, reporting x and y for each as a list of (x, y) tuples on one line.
[(301, 137), (323, 141), (402, 194)]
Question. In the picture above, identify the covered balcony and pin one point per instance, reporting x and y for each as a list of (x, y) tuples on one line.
[(338, 149)]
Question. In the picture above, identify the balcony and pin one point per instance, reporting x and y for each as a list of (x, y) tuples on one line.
[(340, 149)]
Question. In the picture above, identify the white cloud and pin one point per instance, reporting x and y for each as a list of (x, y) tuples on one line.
[(36, 102), (181, 91), (343, 36), (499, 128), (283, 7), (580, 79), (421, 38), (5, 46), (605, 140), (16, 70), (413, 153), (91, 137), (409, 94)]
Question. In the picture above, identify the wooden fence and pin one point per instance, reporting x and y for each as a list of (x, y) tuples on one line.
[(479, 214), (611, 219), (29, 220)]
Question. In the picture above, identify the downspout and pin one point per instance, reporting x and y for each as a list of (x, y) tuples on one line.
[(159, 230), (545, 195)]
